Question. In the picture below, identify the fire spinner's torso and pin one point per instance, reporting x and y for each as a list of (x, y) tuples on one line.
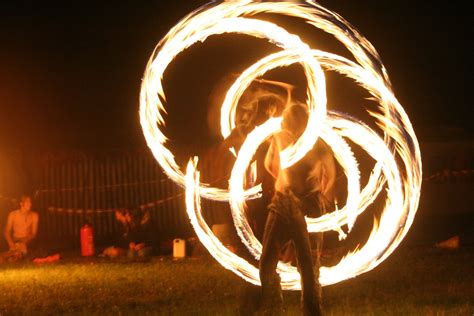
[(310, 177)]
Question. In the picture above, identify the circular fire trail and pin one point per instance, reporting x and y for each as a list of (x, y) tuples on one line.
[(397, 154)]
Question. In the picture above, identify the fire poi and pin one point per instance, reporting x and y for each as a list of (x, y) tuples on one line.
[(396, 154)]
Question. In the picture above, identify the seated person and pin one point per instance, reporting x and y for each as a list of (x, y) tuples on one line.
[(21, 228), (136, 232)]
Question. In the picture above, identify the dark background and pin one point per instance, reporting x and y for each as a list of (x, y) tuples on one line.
[(70, 72), (70, 75)]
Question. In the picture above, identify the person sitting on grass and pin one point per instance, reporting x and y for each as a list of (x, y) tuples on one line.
[(21, 229), (135, 237)]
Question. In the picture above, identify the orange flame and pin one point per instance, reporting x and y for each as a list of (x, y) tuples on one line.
[(398, 145)]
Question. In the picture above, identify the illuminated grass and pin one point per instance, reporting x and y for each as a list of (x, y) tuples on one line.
[(411, 282)]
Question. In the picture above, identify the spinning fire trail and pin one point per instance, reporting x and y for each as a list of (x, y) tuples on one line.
[(397, 155)]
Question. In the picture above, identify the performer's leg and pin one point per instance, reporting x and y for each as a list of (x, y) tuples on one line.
[(310, 286), (271, 289), (317, 266)]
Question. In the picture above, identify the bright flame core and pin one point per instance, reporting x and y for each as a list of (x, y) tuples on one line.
[(397, 155)]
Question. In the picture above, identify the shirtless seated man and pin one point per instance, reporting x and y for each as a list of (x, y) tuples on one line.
[(304, 189), (22, 227)]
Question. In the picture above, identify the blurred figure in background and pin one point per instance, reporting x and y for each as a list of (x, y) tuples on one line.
[(136, 231)]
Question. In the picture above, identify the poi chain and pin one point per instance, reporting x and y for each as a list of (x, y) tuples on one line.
[(397, 155)]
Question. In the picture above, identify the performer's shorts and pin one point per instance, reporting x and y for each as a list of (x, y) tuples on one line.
[(287, 205)]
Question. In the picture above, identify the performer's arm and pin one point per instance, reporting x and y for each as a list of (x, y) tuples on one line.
[(272, 159), (235, 139), (329, 178)]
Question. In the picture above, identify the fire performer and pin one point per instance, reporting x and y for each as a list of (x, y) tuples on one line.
[(304, 189)]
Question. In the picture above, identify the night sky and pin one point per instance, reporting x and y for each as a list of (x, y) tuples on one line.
[(70, 71)]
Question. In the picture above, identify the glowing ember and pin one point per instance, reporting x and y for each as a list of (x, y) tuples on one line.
[(397, 155)]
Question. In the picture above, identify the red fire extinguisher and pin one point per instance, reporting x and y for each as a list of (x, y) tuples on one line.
[(87, 241)]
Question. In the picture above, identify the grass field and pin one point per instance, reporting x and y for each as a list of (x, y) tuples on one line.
[(413, 281)]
